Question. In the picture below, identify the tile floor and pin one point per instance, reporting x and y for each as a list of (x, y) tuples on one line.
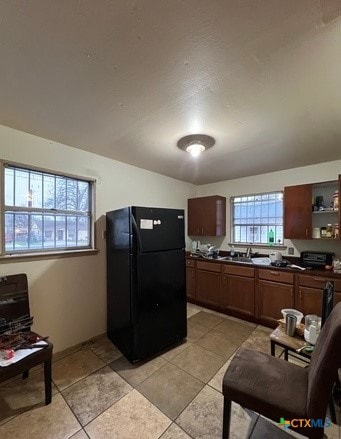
[(98, 394)]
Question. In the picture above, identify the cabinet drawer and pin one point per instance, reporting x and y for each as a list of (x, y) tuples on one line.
[(190, 263), (276, 276), (209, 266), (239, 271), (318, 282)]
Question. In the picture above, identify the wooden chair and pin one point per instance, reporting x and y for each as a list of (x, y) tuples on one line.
[(14, 304), (277, 389)]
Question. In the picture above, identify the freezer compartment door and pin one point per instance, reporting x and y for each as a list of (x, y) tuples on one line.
[(158, 229), (160, 303)]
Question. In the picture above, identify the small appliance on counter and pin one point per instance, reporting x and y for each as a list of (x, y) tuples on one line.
[(315, 259)]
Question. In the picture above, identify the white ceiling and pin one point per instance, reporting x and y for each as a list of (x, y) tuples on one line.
[(127, 79)]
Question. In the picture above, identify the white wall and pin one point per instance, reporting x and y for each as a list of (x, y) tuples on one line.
[(272, 182), (68, 295)]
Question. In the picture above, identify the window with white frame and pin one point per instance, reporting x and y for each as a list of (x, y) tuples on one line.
[(45, 211), (257, 219)]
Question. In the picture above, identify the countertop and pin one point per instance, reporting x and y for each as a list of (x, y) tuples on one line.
[(307, 271)]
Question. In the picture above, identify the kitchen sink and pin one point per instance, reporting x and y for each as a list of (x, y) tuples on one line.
[(245, 260)]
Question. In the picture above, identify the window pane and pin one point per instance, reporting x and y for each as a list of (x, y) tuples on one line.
[(21, 178), (83, 237), (36, 190), (83, 196), (35, 232), (20, 231), (61, 231), (9, 187), (71, 197), (49, 192), (9, 231), (60, 193), (71, 225), (48, 231)]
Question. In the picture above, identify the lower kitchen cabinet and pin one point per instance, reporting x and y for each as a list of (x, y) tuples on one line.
[(309, 294), (208, 280), (275, 292), (238, 290), (190, 278)]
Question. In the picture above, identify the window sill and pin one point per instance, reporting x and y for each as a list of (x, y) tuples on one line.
[(245, 244), (47, 255)]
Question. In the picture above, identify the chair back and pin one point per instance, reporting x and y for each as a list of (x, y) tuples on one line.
[(14, 304), (324, 365)]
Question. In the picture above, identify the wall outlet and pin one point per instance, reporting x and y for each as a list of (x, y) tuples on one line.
[(291, 251)]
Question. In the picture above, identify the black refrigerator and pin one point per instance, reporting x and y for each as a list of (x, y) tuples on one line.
[(146, 292)]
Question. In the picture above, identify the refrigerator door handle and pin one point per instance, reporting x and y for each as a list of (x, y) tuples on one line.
[(137, 233)]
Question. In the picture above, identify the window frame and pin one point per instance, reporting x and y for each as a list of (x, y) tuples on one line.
[(41, 252), (255, 244)]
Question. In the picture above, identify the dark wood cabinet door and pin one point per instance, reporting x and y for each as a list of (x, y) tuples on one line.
[(194, 217), (208, 287), (207, 216), (309, 300), (272, 298), (238, 294), (298, 212), (190, 282)]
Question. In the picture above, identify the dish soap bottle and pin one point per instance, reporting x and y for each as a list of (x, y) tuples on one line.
[(271, 237)]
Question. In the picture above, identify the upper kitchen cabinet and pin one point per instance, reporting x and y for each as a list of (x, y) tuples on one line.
[(207, 216), (297, 211), (312, 211)]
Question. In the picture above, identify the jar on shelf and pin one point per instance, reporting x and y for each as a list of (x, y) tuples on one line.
[(336, 200), (336, 231), (329, 231), (323, 232)]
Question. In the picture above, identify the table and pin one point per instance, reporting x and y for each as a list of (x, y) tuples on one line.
[(289, 344)]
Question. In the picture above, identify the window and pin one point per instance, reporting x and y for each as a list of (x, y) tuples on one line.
[(44, 211), (258, 219)]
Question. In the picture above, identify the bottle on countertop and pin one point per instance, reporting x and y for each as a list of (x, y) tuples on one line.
[(271, 237), (232, 252)]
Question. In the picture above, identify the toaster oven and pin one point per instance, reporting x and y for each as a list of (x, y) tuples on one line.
[(316, 259)]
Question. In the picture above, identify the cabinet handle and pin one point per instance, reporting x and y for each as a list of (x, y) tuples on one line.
[(292, 292), (318, 279), (300, 294), (274, 273)]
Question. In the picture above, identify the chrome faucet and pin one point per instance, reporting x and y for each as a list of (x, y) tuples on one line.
[(248, 252)]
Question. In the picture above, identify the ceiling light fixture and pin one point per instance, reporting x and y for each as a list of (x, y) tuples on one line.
[(195, 144)]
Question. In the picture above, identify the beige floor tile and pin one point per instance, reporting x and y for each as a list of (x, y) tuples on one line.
[(53, 421), (199, 362), (195, 331), (219, 343), (131, 417), (171, 353), (89, 397), (206, 319), (235, 329), (104, 349), (136, 373), (203, 417), (192, 309), (18, 395), (174, 432), (80, 435), (217, 381), (75, 367), (258, 340), (170, 389)]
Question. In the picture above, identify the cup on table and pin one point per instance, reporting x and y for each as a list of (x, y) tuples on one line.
[(290, 324)]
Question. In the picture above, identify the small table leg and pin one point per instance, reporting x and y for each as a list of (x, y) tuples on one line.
[(272, 348), (47, 379), (286, 354)]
